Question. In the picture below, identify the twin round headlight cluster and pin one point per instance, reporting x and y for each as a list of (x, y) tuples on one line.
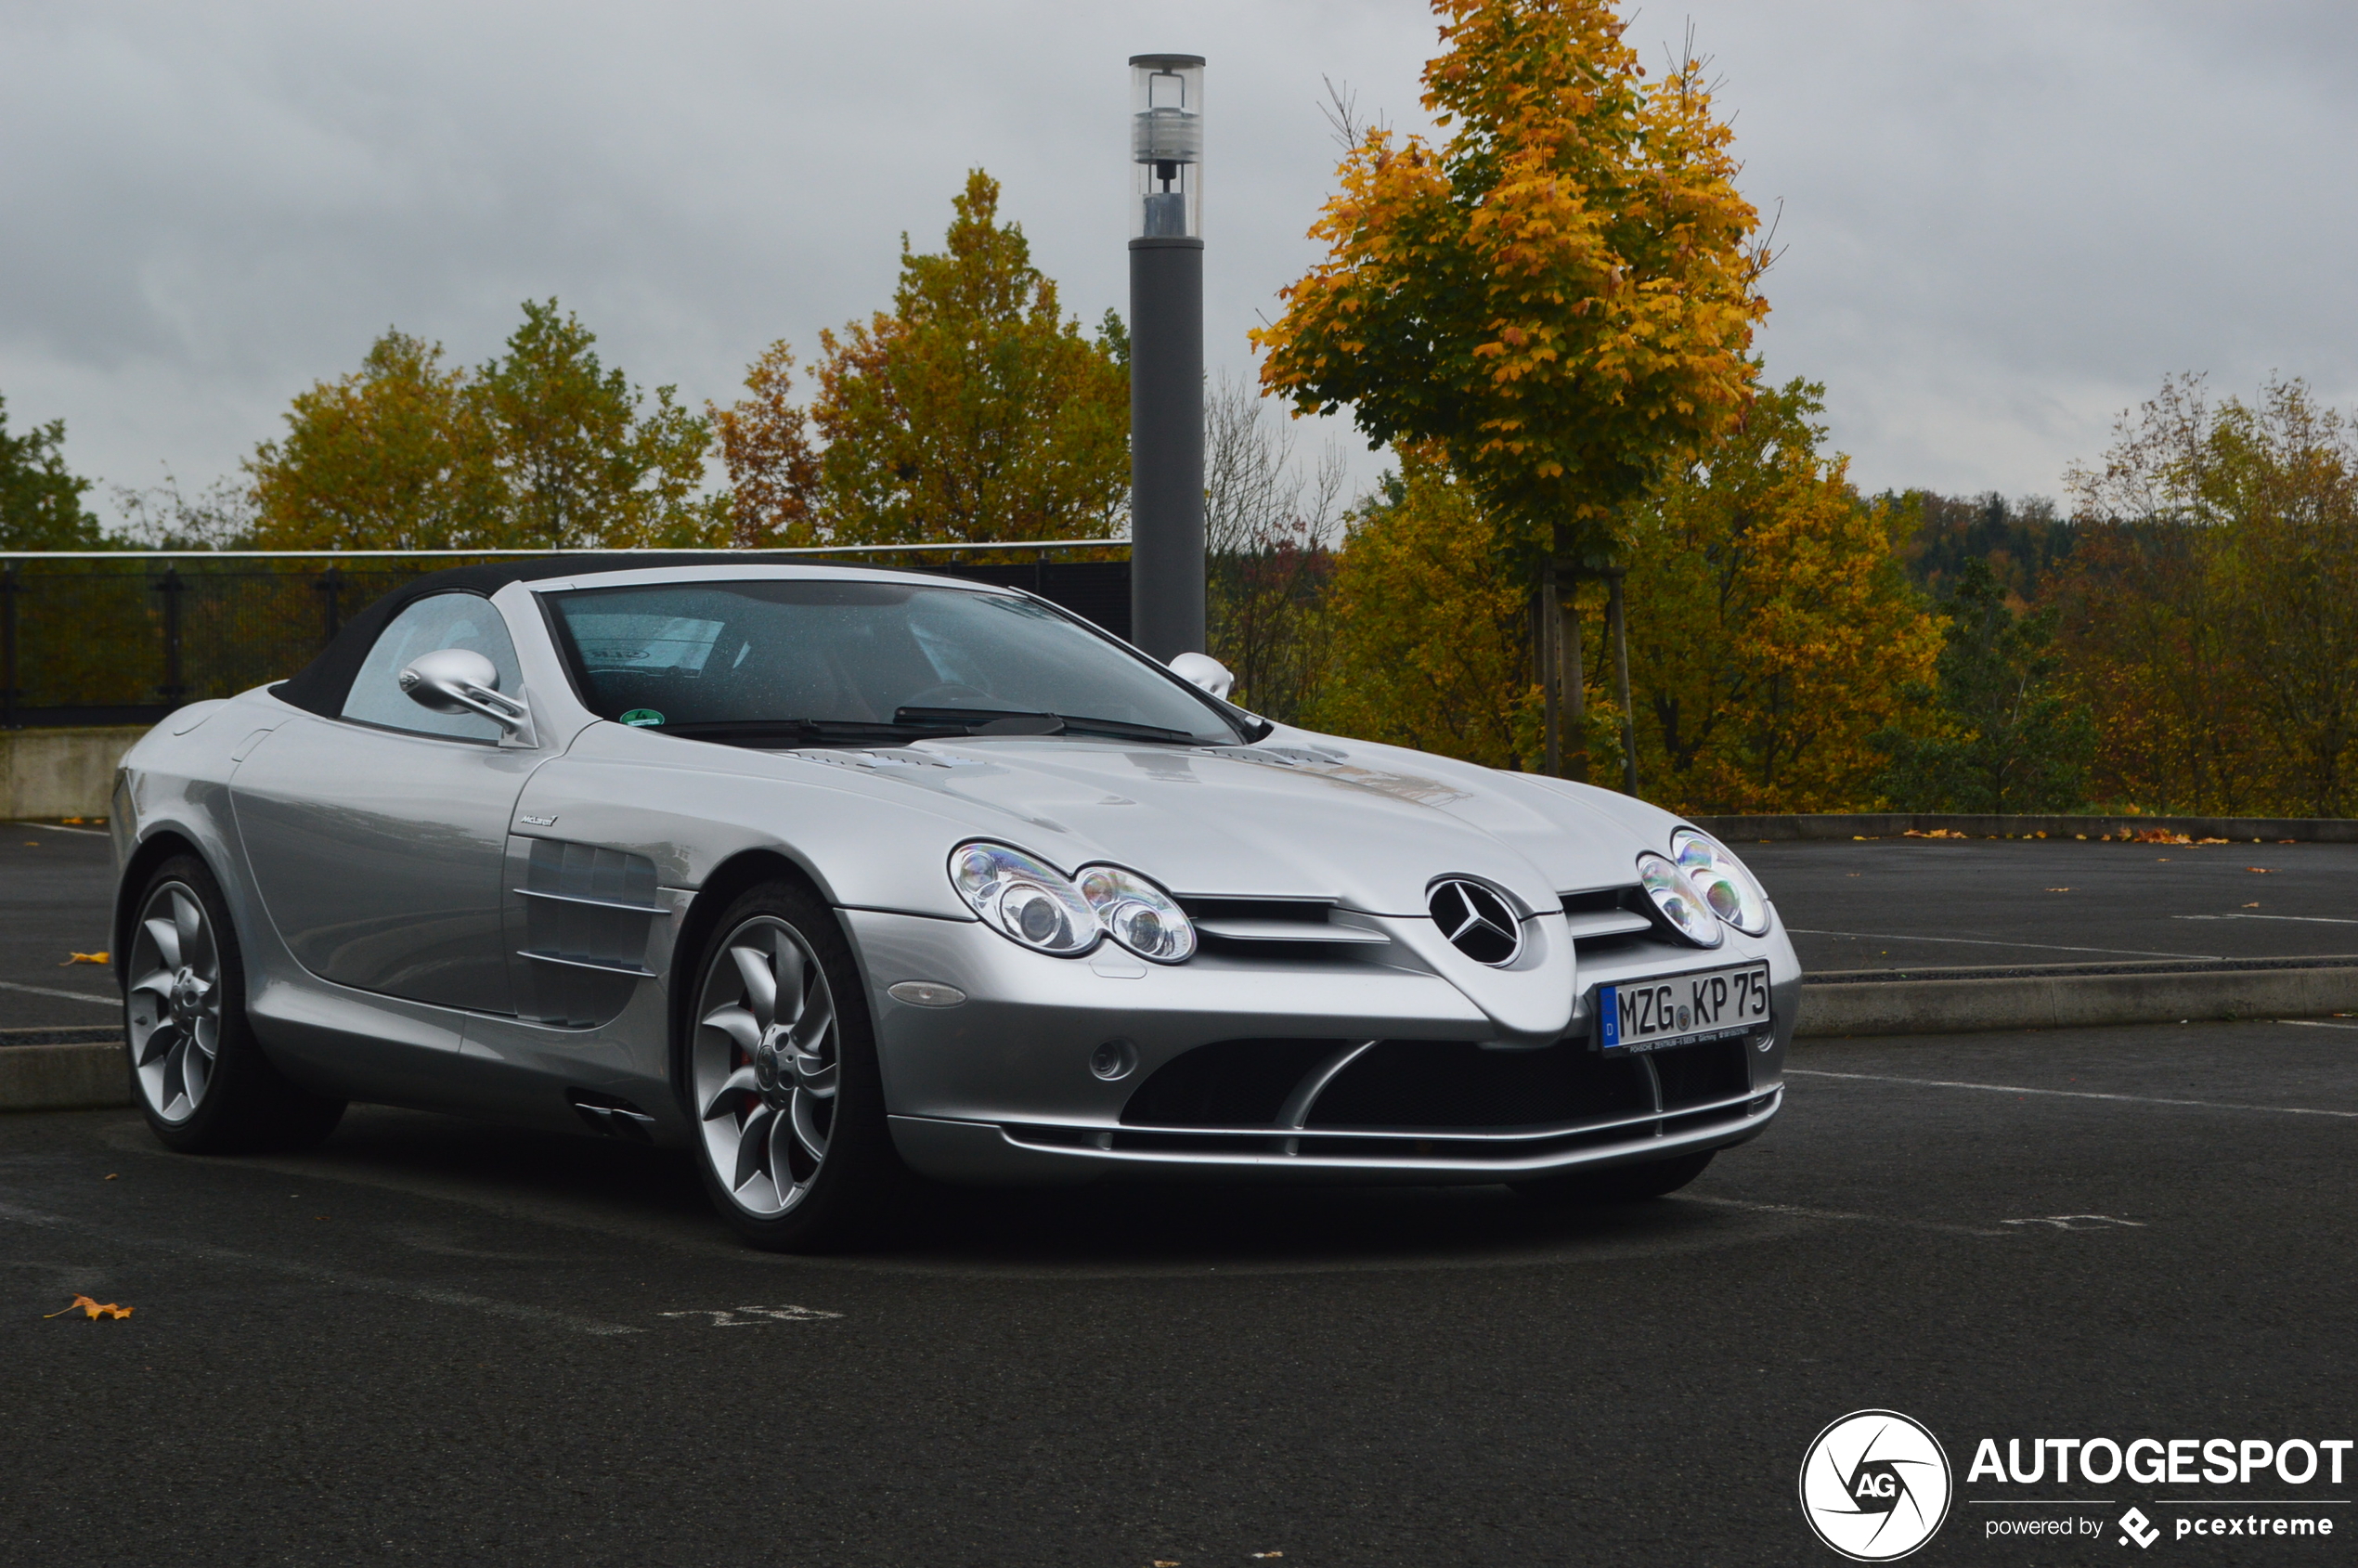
[(1032, 902), (1702, 887)]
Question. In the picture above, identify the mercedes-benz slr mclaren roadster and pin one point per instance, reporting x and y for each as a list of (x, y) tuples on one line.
[(833, 875)]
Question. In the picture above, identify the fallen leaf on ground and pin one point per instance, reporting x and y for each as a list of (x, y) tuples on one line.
[(2059, 890), (91, 1309), (111, 1175), (85, 958), (2251, 906), (2258, 870)]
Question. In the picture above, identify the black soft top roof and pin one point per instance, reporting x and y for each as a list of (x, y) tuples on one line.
[(322, 685)]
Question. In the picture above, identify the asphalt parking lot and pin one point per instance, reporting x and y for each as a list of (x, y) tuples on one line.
[(436, 1342)]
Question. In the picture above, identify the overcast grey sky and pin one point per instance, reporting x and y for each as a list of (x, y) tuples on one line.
[(2002, 224)]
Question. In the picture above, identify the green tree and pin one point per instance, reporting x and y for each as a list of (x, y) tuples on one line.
[(395, 456), (974, 409), (2009, 737), (541, 447), (583, 465), (1773, 631), (1429, 625), (40, 497), (1560, 296)]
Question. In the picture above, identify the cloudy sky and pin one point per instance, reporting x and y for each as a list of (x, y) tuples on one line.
[(2001, 223)]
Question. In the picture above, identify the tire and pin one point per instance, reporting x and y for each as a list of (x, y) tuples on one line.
[(1618, 1183), (197, 1070), (784, 1088)]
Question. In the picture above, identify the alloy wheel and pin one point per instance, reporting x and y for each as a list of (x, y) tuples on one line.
[(174, 1005), (765, 1066)]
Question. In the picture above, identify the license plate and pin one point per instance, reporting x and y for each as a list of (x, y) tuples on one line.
[(1682, 1009)]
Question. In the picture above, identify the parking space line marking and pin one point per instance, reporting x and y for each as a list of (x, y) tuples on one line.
[(2062, 1094), (68, 995), (2315, 1023), (1800, 1212), (1983, 941), (2304, 919), (53, 827), (323, 1274)]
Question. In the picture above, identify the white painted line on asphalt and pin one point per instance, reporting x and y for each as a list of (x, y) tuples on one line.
[(1977, 941), (2304, 919), (2315, 1023), (53, 827), (726, 1317), (2062, 1094), (323, 1275), (1799, 1213), (68, 995)]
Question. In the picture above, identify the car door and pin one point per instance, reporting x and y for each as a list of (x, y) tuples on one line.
[(377, 836)]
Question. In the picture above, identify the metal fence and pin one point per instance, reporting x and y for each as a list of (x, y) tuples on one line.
[(125, 637)]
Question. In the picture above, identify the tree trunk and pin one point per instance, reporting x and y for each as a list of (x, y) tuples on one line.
[(1619, 626)]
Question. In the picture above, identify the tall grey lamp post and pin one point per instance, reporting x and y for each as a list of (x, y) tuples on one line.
[(1166, 354)]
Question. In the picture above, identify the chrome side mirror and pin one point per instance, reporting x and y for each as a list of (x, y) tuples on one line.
[(460, 681), (1202, 670)]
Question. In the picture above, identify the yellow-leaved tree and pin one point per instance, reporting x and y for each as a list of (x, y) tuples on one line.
[(1559, 299), (1772, 630)]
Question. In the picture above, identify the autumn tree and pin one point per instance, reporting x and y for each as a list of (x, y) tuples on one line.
[(395, 456), (974, 409), (40, 496), (1559, 298), (1428, 623), (2006, 735), (540, 446), (2212, 612), (1267, 553), (773, 469), (1773, 631)]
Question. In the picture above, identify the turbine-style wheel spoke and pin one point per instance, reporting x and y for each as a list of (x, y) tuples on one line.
[(188, 922), (196, 1070), (785, 1134), (806, 1129), (785, 960), (761, 986), (158, 1043), (736, 1023), (724, 1100), (156, 981), (817, 1023), (753, 1146), (166, 935), (815, 1076)]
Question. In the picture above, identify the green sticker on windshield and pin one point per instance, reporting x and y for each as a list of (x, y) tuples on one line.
[(643, 717)]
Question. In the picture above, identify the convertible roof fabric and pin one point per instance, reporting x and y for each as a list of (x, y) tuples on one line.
[(322, 685)]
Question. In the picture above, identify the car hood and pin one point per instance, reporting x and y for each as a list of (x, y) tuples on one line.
[(1299, 815)]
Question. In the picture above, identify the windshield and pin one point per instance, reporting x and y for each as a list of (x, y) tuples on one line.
[(788, 660)]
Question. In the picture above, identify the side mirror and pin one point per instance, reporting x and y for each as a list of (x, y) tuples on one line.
[(1202, 670), (460, 681)]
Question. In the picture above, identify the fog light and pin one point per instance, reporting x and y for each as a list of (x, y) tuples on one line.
[(1113, 1060)]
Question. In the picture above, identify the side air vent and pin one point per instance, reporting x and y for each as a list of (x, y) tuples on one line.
[(584, 914)]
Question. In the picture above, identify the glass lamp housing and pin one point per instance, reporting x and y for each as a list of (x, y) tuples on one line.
[(1166, 146)]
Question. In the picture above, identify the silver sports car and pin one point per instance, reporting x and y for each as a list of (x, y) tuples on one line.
[(833, 875)]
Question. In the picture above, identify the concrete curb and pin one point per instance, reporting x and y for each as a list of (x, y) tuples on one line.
[(1961, 1006), (80, 1077), (1846, 826)]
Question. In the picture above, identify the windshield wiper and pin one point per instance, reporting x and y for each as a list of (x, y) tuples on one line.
[(823, 732), (1016, 721)]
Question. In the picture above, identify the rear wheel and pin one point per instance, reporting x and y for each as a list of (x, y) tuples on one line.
[(1618, 1183), (201, 1075), (781, 1077)]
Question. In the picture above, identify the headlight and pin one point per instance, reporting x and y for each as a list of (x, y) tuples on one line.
[(1025, 899), (1678, 900), (1138, 914), (1722, 880)]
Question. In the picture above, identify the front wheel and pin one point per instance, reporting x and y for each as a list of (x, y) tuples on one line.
[(1618, 1183), (782, 1077), (202, 1077)]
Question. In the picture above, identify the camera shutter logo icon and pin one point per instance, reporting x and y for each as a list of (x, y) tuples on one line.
[(1875, 1486)]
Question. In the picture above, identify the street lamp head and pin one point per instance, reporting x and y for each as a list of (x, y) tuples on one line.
[(1166, 146)]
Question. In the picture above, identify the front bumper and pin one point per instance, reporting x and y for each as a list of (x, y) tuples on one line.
[(999, 1089)]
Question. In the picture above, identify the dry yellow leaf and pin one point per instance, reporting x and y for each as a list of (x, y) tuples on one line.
[(85, 958), (91, 1309)]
